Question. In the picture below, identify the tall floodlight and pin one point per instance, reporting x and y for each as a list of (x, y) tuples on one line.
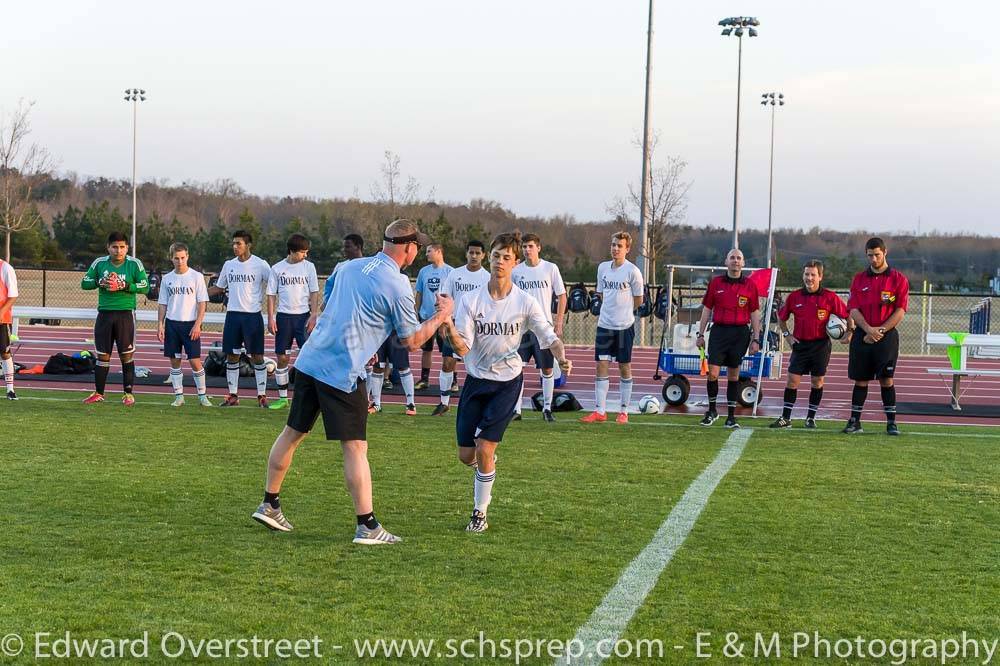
[(737, 26), (134, 95), (645, 208), (774, 100)]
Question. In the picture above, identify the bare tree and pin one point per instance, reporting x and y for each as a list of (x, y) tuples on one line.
[(668, 204), (391, 190), (23, 167)]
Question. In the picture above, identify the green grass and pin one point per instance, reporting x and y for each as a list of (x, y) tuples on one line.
[(124, 521)]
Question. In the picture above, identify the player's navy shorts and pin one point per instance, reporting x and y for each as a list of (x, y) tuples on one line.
[(114, 328), (486, 408), (810, 357), (243, 329), (529, 348), (393, 351), (345, 415), (727, 345), (291, 328), (4, 338), (612, 345), (873, 361), (177, 336)]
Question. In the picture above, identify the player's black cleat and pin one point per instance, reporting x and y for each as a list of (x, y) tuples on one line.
[(781, 422), (421, 385), (547, 416), (11, 395), (853, 427), (440, 409), (731, 423), (892, 429), (517, 416), (709, 418), (810, 424)]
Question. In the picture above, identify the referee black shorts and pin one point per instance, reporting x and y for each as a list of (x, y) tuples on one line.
[(345, 415), (727, 345), (114, 328), (810, 357), (873, 361)]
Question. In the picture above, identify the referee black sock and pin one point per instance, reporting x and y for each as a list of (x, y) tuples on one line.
[(889, 403), (368, 520), (713, 394), (858, 397), (815, 396), (272, 499), (128, 375), (732, 393), (101, 370), (790, 396)]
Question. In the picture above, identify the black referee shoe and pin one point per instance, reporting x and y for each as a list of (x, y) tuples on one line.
[(781, 422), (709, 418), (892, 429), (731, 423), (853, 427)]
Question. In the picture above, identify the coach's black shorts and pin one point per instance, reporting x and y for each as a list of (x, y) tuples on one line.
[(291, 328), (873, 361), (614, 345), (177, 336), (393, 351), (486, 408), (114, 328), (243, 330), (810, 357), (727, 345), (345, 415), (529, 349), (4, 338), (442, 344)]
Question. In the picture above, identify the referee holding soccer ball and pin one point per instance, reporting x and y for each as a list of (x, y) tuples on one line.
[(812, 306)]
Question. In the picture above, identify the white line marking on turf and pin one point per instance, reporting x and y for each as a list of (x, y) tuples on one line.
[(609, 619)]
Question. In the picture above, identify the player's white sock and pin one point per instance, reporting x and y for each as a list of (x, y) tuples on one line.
[(406, 379), (376, 388), (445, 380), (281, 379), (625, 390), (177, 379), (520, 399), (483, 489), (233, 377), (601, 393), (8, 373), (199, 381), (260, 374), (548, 388)]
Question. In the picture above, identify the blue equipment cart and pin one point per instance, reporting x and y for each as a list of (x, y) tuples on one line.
[(679, 366)]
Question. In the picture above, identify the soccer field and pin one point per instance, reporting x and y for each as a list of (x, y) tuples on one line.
[(130, 521)]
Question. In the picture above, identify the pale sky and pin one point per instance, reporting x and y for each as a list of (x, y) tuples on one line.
[(893, 112)]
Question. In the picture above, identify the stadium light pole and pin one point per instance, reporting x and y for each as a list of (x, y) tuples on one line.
[(774, 100), (644, 204), (737, 26), (134, 95)]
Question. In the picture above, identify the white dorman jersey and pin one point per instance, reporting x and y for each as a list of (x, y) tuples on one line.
[(541, 282), (292, 284), (492, 331), (462, 281), (617, 286), (181, 293), (247, 281)]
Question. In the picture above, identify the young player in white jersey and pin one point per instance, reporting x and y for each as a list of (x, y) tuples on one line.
[(246, 277), (373, 299), (620, 284), (8, 294), (429, 281), (292, 308), (542, 280), (487, 333), (182, 304), (459, 283)]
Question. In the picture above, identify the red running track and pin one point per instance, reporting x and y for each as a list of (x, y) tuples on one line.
[(913, 382)]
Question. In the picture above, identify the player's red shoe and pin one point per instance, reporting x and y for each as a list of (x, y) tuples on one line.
[(411, 410), (594, 417), (128, 399), (622, 418), (230, 401), (262, 401), (93, 398)]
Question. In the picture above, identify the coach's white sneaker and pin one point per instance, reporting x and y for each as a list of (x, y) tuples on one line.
[(178, 401), (376, 537)]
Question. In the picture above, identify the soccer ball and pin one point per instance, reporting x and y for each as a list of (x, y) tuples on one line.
[(836, 327), (648, 404), (270, 365)]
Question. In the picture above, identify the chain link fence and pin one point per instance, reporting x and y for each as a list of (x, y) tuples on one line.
[(929, 312)]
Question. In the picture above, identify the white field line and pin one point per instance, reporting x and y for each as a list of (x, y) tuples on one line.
[(608, 621)]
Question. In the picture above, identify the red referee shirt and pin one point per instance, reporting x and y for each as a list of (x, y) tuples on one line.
[(731, 300), (811, 311), (877, 295)]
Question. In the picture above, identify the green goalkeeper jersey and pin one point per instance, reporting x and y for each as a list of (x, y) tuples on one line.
[(131, 271)]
